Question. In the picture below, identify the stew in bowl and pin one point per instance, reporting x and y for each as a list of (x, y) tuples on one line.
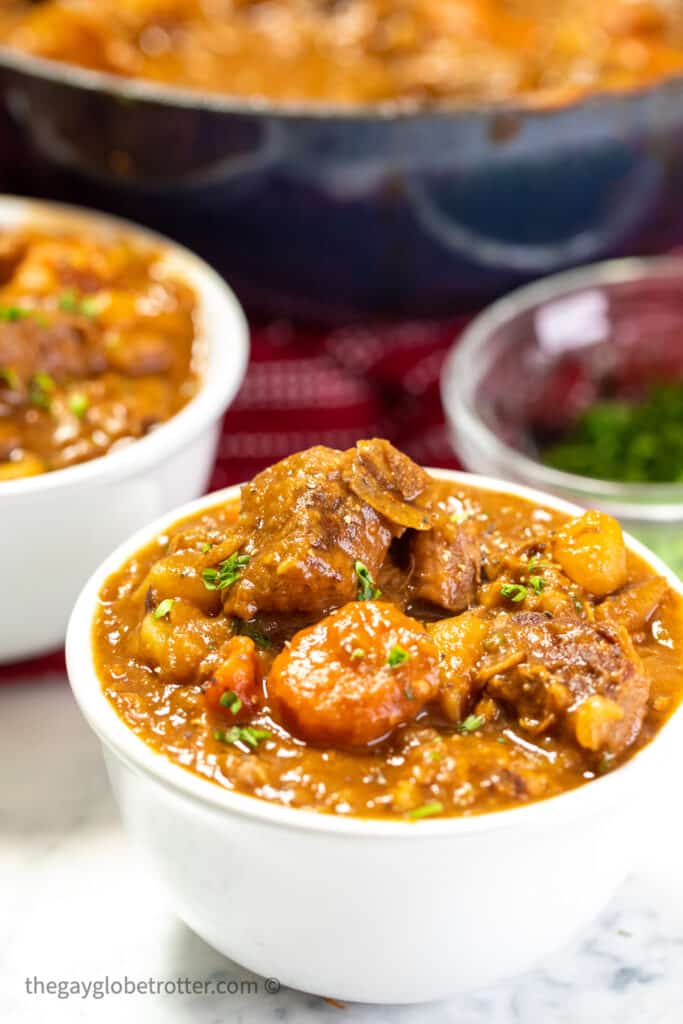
[(97, 347), (358, 638)]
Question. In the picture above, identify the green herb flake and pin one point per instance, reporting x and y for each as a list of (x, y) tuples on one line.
[(606, 763), (41, 388), (367, 591), (206, 547), (230, 700), (79, 404), (514, 591), (358, 652), (10, 314), (500, 739), (471, 723), (69, 302), (397, 656), (426, 811), (227, 573), (537, 583), (164, 608), (460, 517), (247, 734), (10, 378)]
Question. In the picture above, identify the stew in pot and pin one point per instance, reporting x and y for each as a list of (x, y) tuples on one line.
[(362, 51)]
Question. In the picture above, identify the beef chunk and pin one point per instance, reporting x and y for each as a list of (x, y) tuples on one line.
[(586, 679), (446, 559), (306, 521), (60, 349)]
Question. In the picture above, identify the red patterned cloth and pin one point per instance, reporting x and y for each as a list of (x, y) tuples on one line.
[(308, 386)]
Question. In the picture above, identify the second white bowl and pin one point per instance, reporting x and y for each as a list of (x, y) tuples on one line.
[(57, 527)]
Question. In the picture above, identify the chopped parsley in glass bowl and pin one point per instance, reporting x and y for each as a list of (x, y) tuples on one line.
[(575, 385)]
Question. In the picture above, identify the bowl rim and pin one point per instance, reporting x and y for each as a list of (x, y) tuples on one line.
[(148, 90), (466, 363), (134, 752), (225, 338)]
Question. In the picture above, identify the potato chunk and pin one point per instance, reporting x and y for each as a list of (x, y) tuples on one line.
[(592, 553)]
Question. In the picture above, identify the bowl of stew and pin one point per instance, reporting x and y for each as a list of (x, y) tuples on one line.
[(119, 353), (444, 153), (361, 717), (575, 385)]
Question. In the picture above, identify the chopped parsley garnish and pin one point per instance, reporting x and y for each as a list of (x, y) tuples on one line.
[(357, 652), (427, 810), (206, 547), (78, 404), (69, 302), (248, 629), (248, 734), (460, 517), (230, 700), (9, 314), (10, 378), (40, 390), (227, 572), (514, 591), (537, 583), (471, 723), (164, 608), (367, 591), (397, 656)]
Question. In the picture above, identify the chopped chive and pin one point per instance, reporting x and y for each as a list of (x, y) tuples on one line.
[(69, 302), (78, 404), (227, 572), (537, 583), (460, 517), (164, 608), (397, 656), (471, 723), (514, 591), (10, 378), (40, 390), (427, 810), (230, 700), (242, 734), (367, 591)]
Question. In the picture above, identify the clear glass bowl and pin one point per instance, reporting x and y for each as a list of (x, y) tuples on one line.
[(530, 363)]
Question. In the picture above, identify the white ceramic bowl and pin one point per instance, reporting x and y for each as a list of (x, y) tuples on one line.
[(55, 528), (376, 911)]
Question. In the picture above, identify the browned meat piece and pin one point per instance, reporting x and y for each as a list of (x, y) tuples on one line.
[(389, 482), (60, 350), (635, 605), (446, 565), (585, 678), (304, 526)]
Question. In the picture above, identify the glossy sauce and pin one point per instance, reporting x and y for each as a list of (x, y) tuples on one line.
[(457, 755)]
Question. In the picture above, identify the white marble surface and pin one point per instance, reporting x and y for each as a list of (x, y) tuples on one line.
[(74, 905)]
